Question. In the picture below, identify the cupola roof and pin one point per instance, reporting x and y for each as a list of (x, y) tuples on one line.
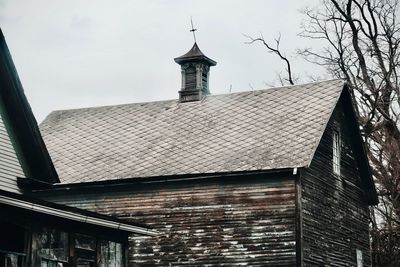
[(195, 54)]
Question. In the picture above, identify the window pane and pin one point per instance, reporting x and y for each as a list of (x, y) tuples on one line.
[(12, 260), (336, 152), (85, 263), (50, 263), (111, 254), (53, 245), (118, 255), (85, 242)]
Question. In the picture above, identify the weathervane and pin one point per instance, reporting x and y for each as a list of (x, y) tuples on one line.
[(193, 30)]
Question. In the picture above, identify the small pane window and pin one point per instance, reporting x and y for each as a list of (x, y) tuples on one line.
[(52, 247), (336, 152)]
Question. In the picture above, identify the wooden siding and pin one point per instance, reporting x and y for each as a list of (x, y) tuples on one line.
[(10, 167), (334, 210), (226, 222)]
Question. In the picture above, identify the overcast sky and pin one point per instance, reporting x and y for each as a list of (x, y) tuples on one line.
[(76, 53)]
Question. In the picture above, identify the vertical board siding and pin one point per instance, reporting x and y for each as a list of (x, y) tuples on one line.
[(10, 167), (335, 214), (249, 222)]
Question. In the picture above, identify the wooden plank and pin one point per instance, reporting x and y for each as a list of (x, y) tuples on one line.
[(251, 221)]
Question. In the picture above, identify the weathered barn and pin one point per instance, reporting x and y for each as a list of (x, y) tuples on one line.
[(275, 177), (34, 232)]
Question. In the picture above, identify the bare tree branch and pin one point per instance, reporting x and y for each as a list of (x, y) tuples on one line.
[(276, 51)]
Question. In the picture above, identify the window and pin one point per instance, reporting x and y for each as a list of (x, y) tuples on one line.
[(55, 248), (52, 248), (359, 258), (111, 254), (85, 247), (336, 152)]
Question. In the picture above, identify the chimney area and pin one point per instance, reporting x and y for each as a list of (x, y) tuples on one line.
[(195, 69)]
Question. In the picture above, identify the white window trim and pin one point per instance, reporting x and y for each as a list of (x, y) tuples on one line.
[(336, 152)]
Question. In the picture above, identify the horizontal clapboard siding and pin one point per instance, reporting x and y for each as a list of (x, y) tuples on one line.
[(10, 167), (335, 214), (247, 222)]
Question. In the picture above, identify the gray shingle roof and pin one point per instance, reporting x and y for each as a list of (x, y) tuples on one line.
[(258, 130)]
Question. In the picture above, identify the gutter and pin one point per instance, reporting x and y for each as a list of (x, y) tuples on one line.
[(74, 216)]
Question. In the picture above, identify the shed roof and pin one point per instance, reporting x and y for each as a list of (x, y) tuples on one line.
[(268, 129)]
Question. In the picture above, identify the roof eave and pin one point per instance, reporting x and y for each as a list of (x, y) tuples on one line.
[(163, 178), (183, 60)]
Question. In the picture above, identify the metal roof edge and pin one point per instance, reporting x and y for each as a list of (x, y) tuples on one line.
[(70, 215)]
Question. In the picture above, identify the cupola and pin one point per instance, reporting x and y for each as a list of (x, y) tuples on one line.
[(195, 69)]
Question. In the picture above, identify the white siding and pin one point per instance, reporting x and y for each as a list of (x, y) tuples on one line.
[(10, 167)]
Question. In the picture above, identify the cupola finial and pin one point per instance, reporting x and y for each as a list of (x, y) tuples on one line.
[(193, 30)]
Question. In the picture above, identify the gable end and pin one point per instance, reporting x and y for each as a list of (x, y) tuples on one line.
[(23, 123)]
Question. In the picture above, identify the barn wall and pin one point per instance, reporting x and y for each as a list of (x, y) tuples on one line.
[(335, 214), (226, 221), (10, 167)]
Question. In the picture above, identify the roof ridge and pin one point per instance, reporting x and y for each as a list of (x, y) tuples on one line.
[(208, 96), (281, 87)]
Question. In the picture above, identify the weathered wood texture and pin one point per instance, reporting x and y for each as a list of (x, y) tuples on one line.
[(225, 222), (334, 210), (10, 167)]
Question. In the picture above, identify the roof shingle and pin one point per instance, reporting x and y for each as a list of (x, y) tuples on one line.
[(258, 130)]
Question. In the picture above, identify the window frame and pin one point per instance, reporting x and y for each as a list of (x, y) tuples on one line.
[(336, 151), (76, 252), (48, 230)]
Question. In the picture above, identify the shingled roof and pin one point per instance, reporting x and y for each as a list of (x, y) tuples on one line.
[(267, 129)]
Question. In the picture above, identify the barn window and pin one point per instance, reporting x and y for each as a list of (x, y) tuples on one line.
[(336, 152)]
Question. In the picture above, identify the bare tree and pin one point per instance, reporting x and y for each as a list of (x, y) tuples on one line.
[(362, 40), (362, 46)]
